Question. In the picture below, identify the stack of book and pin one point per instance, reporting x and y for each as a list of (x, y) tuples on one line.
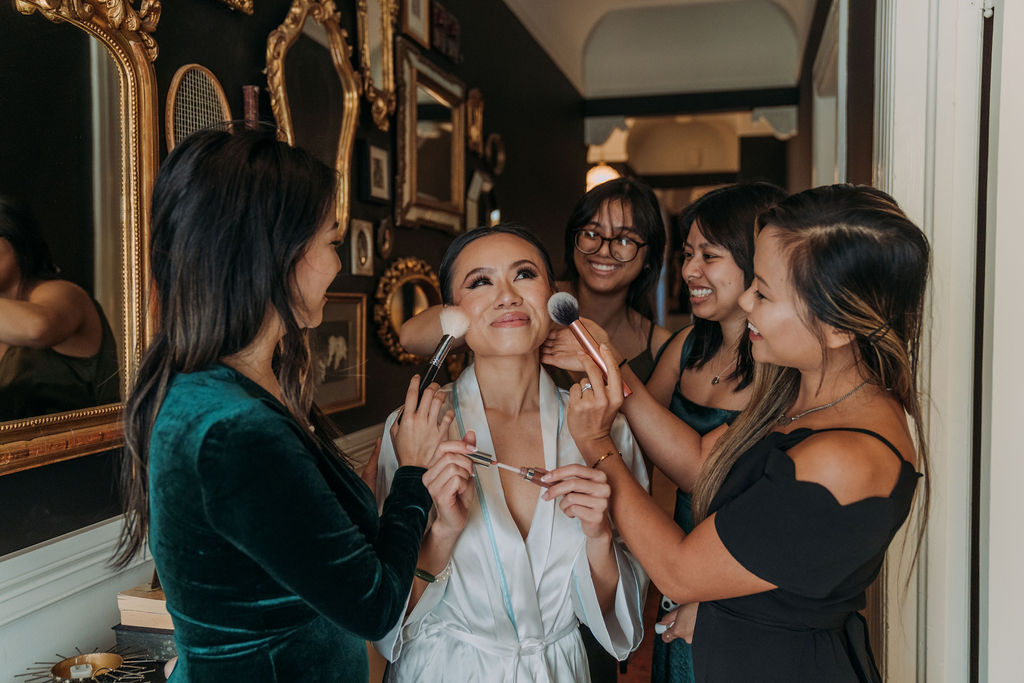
[(145, 627), (144, 606)]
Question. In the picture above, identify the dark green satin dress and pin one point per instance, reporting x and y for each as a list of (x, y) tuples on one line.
[(673, 662), (275, 563)]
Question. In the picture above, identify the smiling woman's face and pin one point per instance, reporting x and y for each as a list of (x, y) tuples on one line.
[(501, 284)]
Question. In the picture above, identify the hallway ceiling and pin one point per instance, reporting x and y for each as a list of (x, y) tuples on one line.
[(626, 48)]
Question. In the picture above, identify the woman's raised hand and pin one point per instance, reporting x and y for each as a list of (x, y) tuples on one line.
[(584, 493), (561, 347), (450, 483), (420, 431), (593, 403), (679, 623)]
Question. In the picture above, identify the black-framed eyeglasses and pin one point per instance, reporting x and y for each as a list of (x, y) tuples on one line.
[(623, 249)]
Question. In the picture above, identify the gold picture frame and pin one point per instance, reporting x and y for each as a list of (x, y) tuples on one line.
[(126, 34), (425, 88), (339, 361), (376, 21), (280, 40)]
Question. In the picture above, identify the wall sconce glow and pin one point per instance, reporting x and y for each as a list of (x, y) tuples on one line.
[(601, 173)]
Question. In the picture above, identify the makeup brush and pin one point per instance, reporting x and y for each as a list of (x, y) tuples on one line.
[(454, 324), (530, 474), (565, 310)]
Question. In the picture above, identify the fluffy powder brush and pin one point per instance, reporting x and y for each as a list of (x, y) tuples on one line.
[(565, 310)]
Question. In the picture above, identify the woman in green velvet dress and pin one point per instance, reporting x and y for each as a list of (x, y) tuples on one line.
[(274, 561)]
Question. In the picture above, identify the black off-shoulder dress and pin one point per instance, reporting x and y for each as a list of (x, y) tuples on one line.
[(820, 554)]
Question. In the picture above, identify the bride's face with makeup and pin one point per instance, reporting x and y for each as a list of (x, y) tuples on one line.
[(501, 283)]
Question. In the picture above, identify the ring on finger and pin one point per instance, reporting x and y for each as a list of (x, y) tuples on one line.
[(587, 386)]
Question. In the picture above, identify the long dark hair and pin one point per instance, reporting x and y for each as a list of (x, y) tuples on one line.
[(727, 218), (19, 227), (232, 215), (446, 271), (858, 264), (647, 223)]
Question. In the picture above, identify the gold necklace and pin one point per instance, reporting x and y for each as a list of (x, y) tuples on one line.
[(718, 378), (783, 420)]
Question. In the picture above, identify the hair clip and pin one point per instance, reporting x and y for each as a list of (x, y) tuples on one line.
[(878, 333)]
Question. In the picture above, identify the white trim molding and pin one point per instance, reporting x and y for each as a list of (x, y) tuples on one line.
[(928, 74), (61, 595)]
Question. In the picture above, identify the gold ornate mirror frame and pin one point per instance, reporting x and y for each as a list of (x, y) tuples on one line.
[(411, 208), (279, 41), (404, 271), (126, 34), (381, 96)]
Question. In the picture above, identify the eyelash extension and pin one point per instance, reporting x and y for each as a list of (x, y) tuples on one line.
[(759, 295), (526, 271), (477, 281)]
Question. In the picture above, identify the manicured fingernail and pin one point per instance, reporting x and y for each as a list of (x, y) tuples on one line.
[(545, 477)]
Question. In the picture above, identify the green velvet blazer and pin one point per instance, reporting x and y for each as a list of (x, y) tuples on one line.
[(275, 563)]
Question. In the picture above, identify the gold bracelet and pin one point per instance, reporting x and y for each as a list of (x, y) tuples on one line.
[(606, 455)]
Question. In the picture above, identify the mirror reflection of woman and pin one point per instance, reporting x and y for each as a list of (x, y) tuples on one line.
[(798, 501), (510, 575), (57, 351), (270, 549)]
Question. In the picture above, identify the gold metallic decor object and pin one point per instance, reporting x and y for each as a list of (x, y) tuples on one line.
[(101, 666), (377, 20), (324, 13), (431, 143), (406, 288), (240, 5), (475, 114), (124, 28)]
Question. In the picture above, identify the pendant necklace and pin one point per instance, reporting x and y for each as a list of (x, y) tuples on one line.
[(783, 420), (718, 378)]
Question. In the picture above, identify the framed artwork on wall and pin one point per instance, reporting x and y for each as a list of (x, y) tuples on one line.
[(416, 20), (339, 360), (361, 236), (375, 181)]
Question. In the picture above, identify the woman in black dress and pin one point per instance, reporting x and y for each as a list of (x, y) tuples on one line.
[(799, 500)]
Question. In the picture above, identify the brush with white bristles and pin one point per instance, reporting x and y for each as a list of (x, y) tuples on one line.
[(565, 310), (454, 325)]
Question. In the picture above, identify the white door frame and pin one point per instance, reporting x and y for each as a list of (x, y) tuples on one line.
[(928, 66)]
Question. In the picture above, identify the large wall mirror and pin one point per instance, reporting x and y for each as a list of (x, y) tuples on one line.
[(431, 143), (376, 54), (78, 115), (314, 91)]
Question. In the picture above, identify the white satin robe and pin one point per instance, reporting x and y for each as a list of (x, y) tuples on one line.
[(511, 608)]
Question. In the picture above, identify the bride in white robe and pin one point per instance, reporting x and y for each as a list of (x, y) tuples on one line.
[(511, 606)]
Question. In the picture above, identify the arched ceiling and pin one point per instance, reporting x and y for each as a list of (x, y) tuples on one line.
[(621, 48)]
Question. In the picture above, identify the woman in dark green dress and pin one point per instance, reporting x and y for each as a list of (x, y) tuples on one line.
[(797, 503), (272, 556)]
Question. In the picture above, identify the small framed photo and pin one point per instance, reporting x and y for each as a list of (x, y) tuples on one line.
[(339, 353), (361, 238), (416, 20), (386, 238), (376, 173)]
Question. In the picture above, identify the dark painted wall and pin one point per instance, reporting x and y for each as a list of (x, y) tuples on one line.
[(526, 100)]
